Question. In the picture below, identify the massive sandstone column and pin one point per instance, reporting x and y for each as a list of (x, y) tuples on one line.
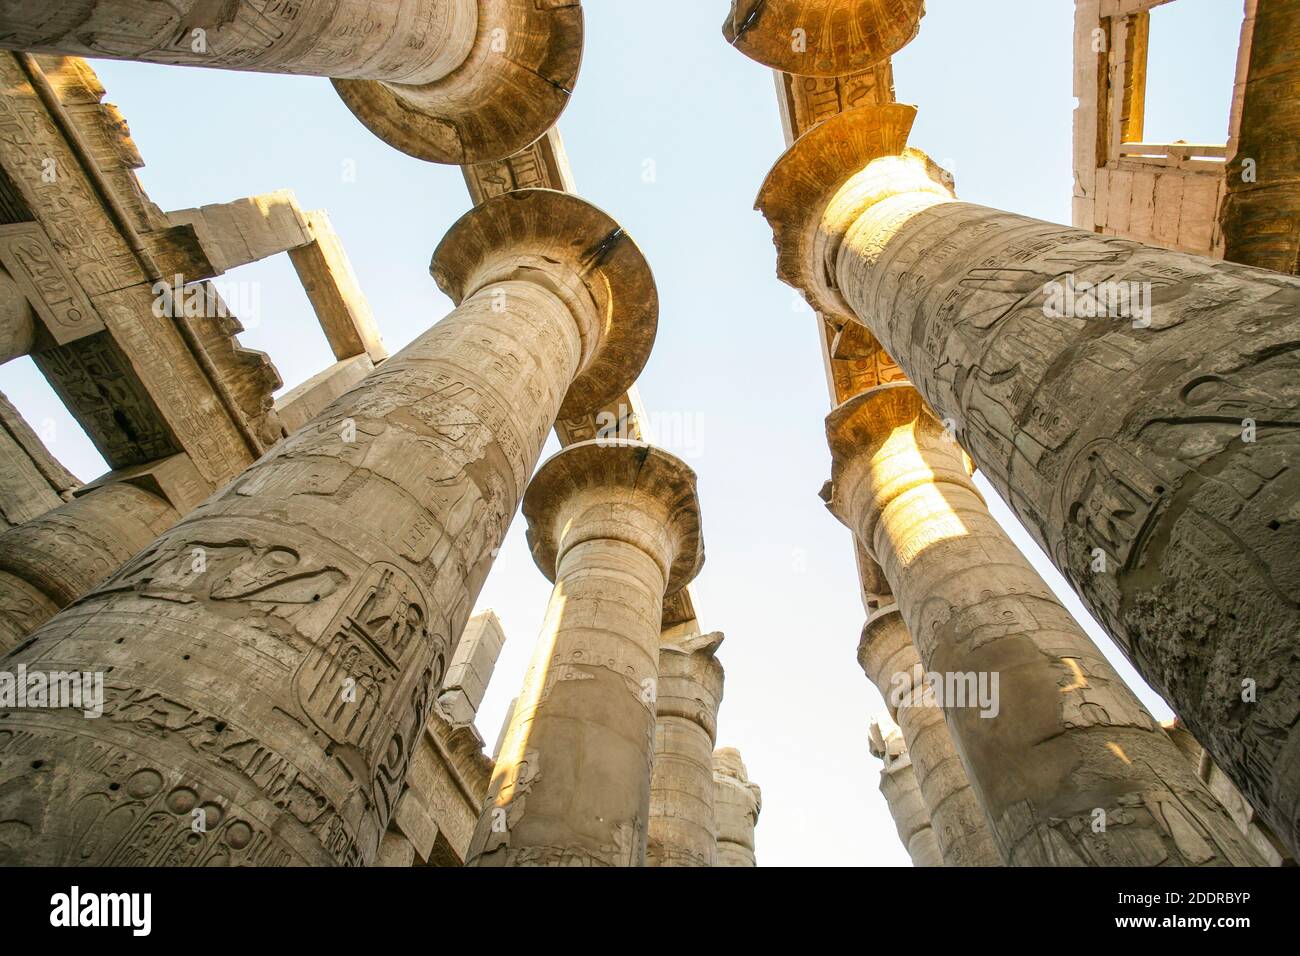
[(822, 37), (890, 660), (1153, 463), (272, 658), (50, 561), (616, 526), (450, 81), (737, 804), (1069, 767), (18, 322), (683, 830), (903, 794)]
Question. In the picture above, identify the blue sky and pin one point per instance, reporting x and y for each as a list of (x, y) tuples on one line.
[(735, 381)]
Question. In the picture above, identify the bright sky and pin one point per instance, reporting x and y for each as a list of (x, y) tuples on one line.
[(672, 132)]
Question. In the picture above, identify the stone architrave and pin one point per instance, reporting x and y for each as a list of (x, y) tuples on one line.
[(827, 38), (1069, 767), (890, 660), (737, 803), (616, 526), (1138, 408), (450, 81), (272, 659), (683, 830), (902, 793)]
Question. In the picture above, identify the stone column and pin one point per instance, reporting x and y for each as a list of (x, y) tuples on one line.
[(1054, 743), (280, 683), (616, 526), (683, 831), (737, 804), (902, 793), (451, 81), (50, 561), (890, 660), (1151, 460), (822, 37)]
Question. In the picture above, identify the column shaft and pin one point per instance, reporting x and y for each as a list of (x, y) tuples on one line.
[(68, 550), (1069, 767), (272, 658), (737, 803), (576, 783), (406, 41), (890, 660), (683, 830), (1201, 582), (1138, 408), (17, 320), (616, 526)]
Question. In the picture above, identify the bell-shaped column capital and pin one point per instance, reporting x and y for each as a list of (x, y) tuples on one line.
[(822, 37), (887, 654), (884, 442), (831, 175), (582, 255), (620, 490), (510, 89)]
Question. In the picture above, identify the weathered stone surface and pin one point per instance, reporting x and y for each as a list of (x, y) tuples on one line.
[(69, 549), (450, 81), (416, 41), (822, 37), (1261, 215), (616, 526), (471, 668), (683, 831), (316, 601), (737, 803), (510, 88), (31, 479), (902, 793), (1216, 781), (1196, 525), (1058, 742), (304, 402), (891, 662), (18, 321)]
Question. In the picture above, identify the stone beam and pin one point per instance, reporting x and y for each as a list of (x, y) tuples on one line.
[(331, 285)]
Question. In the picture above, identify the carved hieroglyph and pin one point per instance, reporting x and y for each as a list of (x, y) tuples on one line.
[(683, 831), (902, 793), (736, 803), (891, 662), (616, 526), (273, 658), (1052, 739), (1154, 463), (827, 38), (450, 81)]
